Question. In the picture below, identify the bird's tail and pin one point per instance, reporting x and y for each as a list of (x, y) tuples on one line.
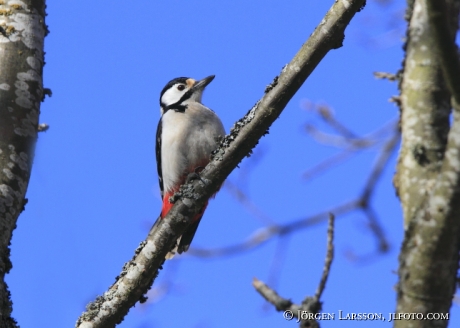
[(183, 242)]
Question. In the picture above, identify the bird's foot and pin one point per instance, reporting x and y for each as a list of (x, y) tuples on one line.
[(195, 175)]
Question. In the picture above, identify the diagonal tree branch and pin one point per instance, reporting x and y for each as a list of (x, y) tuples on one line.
[(138, 274)]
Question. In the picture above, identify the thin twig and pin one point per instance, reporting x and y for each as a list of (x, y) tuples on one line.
[(329, 258), (310, 306), (338, 141), (326, 164), (377, 229), (281, 304), (276, 265), (263, 235), (244, 200), (387, 151), (385, 75), (327, 115), (351, 149), (42, 127)]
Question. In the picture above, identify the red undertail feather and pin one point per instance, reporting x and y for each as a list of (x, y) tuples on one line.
[(167, 205)]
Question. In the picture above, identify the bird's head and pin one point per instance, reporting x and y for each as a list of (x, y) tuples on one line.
[(181, 90)]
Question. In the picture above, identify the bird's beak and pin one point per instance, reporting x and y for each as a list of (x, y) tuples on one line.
[(200, 85)]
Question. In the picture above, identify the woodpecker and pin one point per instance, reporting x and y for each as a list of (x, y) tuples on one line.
[(187, 133)]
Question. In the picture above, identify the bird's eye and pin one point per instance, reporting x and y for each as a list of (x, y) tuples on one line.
[(180, 87)]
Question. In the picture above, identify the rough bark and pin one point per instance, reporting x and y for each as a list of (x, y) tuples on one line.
[(138, 274), (22, 32), (425, 104), (428, 173)]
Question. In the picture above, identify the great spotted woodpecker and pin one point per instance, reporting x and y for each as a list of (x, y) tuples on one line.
[(187, 133)]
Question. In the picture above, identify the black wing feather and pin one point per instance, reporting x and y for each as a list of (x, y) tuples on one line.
[(187, 237), (158, 153)]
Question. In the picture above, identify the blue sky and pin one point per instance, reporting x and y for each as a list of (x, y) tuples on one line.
[(94, 191)]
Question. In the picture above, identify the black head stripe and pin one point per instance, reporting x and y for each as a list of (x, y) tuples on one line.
[(178, 105)]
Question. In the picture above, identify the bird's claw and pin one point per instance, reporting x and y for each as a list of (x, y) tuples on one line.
[(195, 175)]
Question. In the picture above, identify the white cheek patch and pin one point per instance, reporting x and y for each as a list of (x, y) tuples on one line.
[(172, 95)]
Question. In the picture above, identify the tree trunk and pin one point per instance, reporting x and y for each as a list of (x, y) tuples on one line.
[(428, 176), (22, 32)]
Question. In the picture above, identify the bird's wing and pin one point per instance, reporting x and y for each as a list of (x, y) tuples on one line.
[(158, 153), (187, 237)]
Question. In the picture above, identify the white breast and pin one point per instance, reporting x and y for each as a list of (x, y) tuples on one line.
[(187, 140)]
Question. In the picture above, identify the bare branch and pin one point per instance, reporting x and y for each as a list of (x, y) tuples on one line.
[(377, 229), (351, 147), (307, 311), (339, 140), (385, 75), (329, 257), (388, 149), (326, 164), (263, 235), (276, 265), (327, 115), (42, 127), (281, 304), (247, 203)]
